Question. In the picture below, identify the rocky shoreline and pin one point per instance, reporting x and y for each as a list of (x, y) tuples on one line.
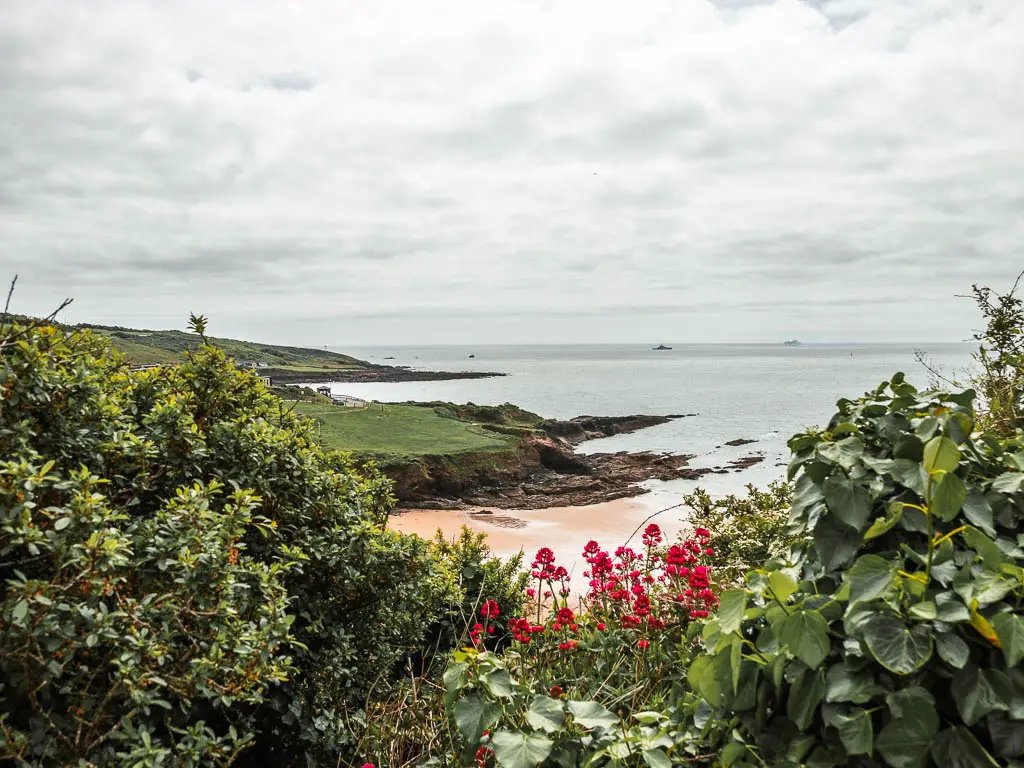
[(381, 375), (546, 471)]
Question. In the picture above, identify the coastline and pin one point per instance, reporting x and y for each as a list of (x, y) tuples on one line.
[(381, 375)]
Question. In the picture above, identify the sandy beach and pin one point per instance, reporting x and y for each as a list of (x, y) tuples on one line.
[(564, 529)]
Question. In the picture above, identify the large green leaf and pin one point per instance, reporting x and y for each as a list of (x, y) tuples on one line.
[(804, 697), (856, 686), (980, 691), (952, 649), (656, 758), (990, 553), (1010, 631), (848, 500), (897, 647), (1007, 735), (905, 741), (806, 634), (455, 677), (1009, 482), (498, 682), (473, 715), (513, 749), (782, 585), (870, 577), (979, 511), (546, 714), (845, 452), (732, 604), (941, 453), (956, 747), (835, 541), (855, 731), (590, 714), (884, 524), (948, 496)]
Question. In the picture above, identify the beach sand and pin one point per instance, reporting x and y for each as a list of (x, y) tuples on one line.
[(565, 530)]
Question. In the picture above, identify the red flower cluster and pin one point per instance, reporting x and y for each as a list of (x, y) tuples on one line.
[(490, 609), (523, 631)]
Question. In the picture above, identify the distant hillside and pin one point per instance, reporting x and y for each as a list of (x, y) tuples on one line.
[(145, 346)]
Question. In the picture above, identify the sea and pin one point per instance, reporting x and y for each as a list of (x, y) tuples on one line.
[(760, 392)]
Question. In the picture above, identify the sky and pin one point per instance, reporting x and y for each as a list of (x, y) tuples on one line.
[(514, 171)]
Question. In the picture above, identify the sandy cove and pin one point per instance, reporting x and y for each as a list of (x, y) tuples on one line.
[(565, 530)]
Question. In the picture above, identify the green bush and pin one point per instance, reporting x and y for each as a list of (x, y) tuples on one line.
[(745, 530), (892, 634), (187, 505)]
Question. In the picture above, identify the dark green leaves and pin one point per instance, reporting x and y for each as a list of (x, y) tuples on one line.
[(835, 541), (848, 500), (1010, 631), (870, 577), (948, 496), (905, 741), (897, 647), (590, 714), (804, 697), (957, 748), (545, 714), (885, 524), (845, 685), (980, 691), (806, 634), (855, 731), (941, 453), (513, 749), (473, 715), (732, 604)]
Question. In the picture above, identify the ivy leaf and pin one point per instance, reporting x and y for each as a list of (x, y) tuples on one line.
[(782, 585), (978, 511), (1010, 631), (835, 541), (545, 714), (905, 741), (870, 577), (656, 758), (956, 747), (895, 646), (948, 497), (848, 500), (732, 604), (499, 683), (952, 649), (472, 717), (980, 691), (885, 524), (806, 634), (804, 697), (990, 553), (855, 731), (843, 684), (1007, 735), (590, 714), (941, 453), (513, 749)]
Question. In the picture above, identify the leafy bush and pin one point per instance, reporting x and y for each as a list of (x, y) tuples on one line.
[(1001, 358), (892, 634), (745, 530), (135, 582), (592, 685)]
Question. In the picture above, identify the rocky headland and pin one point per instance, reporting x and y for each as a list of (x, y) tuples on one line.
[(544, 470), (376, 375)]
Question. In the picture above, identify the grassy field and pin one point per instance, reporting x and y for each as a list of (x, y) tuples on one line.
[(141, 346), (402, 430)]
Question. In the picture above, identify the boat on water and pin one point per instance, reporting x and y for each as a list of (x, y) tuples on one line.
[(660, 347), (791, 343)]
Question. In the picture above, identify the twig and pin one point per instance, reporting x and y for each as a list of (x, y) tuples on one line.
[(652, 515), (10, 293)]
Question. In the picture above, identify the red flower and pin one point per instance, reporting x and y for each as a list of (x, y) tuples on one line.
[(600, 626), (556, 691), (490, 609), (568, 645), (642, 644), (565, 615)]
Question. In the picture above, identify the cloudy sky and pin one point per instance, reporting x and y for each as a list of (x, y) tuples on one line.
[(415, 171)]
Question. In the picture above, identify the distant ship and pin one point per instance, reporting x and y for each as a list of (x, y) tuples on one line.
[(791, 343), (660, 347)]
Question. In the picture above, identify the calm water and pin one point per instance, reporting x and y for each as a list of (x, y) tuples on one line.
[(763, 392)]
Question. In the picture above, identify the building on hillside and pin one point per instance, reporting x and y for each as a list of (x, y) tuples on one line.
[(265, 380), (324, 390), (145, 367), (348, 401)]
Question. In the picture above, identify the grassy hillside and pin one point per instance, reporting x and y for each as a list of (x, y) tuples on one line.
[(143, 346), (400, 430)]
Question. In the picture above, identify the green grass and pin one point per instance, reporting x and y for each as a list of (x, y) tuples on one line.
[(402, 430)]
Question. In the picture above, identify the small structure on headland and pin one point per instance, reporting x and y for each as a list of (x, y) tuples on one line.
[(324, 390)]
